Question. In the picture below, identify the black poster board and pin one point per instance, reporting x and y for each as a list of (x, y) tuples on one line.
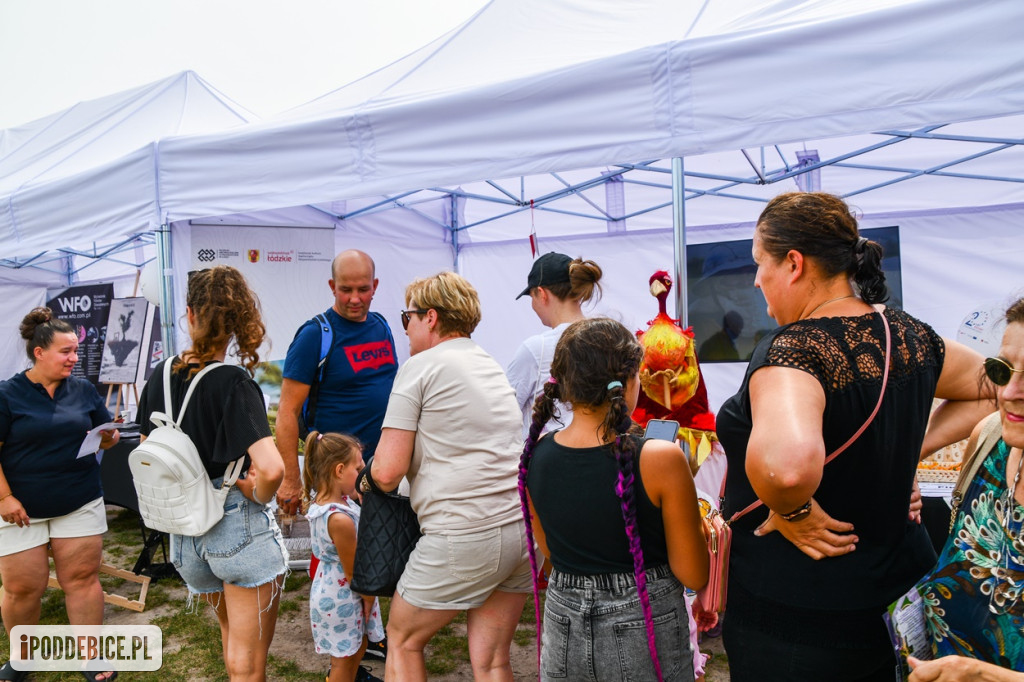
[(85, 308)]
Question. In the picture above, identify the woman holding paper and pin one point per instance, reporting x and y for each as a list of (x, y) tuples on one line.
[(49, 495), (974, 596)]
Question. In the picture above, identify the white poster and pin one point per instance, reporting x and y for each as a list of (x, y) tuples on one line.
[(126, 324), (288, 268)]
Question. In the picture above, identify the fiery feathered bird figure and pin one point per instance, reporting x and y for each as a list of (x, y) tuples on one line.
[(670, 379)]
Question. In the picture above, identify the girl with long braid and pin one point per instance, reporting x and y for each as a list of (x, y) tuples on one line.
[(616, 515)]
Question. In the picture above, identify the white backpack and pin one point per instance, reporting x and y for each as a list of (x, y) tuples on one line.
[(175, 492)]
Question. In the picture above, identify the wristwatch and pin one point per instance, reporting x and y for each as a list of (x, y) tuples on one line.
[(799, 513)]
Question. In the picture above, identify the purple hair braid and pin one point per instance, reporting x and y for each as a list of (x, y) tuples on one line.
[(625, 458), (541, 412)]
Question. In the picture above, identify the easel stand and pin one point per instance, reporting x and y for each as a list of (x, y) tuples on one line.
[(117, 404), (115, 599)]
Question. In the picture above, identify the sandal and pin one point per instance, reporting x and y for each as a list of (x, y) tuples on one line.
[(91, 675), (7, 672)]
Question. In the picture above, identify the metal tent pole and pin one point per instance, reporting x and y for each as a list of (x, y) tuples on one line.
[(679, 239), (164, 266)]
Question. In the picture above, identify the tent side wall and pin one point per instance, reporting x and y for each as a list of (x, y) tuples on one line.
[(952, 264)]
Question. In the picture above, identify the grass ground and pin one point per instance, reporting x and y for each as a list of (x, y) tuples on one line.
[(191, 641)]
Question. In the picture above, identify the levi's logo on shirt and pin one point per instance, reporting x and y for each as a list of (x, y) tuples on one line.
[(369, 355)]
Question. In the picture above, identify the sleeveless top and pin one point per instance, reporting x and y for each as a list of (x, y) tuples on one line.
[(573, 493), (974, 597), (839, 599)]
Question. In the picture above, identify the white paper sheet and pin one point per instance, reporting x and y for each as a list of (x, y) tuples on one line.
[(91, 444)]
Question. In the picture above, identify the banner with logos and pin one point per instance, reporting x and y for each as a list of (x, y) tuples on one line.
[(288, 268), (86, 309)]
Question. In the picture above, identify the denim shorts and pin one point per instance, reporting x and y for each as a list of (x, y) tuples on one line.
[(594, 628), (245, 548)]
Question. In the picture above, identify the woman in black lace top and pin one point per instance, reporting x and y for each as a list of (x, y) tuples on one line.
[(814, 568)]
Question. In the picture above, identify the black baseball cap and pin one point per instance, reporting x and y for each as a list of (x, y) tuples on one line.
[(551, 268)]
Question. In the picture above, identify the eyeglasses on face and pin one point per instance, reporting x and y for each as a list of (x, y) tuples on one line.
[(1000, 371), (406, 315)]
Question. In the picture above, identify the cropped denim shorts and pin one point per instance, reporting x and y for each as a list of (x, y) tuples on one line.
[(245, 548), (594, 628)]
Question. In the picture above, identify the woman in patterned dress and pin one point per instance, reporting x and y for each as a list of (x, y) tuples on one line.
[(974, 598)]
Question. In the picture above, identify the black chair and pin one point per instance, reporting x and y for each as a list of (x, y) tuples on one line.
[(119, 490)]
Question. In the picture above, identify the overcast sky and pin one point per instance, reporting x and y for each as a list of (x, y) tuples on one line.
[(267, 56)]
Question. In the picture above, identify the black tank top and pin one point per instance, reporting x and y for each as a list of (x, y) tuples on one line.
[(573, 493)]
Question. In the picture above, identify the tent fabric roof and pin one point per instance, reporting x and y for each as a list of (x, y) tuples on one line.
[(530, 99), (532, 86), (109, 141)]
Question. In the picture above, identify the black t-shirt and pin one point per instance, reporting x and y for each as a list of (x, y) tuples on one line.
[(225, 415), (573, 493), (867, 485)]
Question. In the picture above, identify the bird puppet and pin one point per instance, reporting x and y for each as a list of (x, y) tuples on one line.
[(673, 387)]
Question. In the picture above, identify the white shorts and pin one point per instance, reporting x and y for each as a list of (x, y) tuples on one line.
[(89, 519), (458, 572)]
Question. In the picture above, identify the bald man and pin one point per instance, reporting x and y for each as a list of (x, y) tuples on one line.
[(361, 367)]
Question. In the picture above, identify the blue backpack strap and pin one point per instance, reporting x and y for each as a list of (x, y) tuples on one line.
[(326, 341), (326, 344)]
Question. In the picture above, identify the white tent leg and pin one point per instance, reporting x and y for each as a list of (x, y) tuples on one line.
[(679, 239), (164, 265)]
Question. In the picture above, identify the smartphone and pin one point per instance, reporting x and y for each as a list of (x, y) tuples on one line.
[(662, 429)]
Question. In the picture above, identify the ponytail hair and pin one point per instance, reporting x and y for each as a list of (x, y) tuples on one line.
[(583, 283), (323, 452), (822, 227), (868, 274)]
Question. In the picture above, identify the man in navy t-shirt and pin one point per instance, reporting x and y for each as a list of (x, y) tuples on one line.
[(353, 395)]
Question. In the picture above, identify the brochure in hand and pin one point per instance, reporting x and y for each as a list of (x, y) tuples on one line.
[(907, 629)]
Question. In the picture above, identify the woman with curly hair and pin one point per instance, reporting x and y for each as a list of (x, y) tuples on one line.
[(238, 565), (617, 516), (48, 495)]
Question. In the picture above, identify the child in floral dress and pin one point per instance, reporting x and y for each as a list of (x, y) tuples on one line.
[(340, 618)]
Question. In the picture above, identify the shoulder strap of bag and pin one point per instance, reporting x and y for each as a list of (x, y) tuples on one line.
[(309, 407), (867, 422), (168, 404), (990, 434), (234, 469)]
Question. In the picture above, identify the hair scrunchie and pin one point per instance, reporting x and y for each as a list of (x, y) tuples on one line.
[(614, 385), (860, 246)]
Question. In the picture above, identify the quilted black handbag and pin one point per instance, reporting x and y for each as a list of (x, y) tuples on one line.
[(388, 531)]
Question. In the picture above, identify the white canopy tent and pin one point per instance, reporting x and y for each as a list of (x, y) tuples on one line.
[(548, 114), (95, 158)]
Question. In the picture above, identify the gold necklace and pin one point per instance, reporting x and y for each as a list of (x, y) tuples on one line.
[(831, 300)]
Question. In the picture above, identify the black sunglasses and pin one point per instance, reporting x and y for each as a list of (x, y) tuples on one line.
[(406, 315), (999, 371)]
